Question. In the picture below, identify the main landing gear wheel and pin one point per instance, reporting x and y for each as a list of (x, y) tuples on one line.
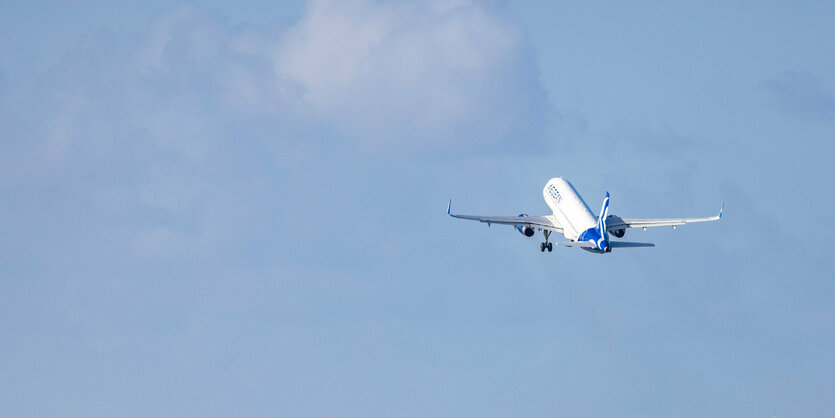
[(546, 244)]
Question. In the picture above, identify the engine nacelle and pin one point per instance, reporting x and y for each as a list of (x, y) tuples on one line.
[(524, 229), (619, 233)]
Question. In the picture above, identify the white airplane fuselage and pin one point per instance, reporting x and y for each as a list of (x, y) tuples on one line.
[(569, 209)]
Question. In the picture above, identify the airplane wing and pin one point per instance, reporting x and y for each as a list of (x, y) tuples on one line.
[(540, 222), (614, 223)]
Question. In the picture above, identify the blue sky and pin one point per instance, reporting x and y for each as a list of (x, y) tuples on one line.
[(214, 209)]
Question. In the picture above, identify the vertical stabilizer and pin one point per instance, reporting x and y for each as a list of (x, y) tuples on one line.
[(601, 219)]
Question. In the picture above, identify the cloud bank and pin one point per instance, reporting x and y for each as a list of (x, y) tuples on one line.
[(168, 139), (402, 76)]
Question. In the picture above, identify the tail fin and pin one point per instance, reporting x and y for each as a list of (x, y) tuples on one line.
[(601, 220)]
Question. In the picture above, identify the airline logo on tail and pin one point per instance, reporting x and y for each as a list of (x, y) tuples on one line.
[(597, 235), (603, 242)]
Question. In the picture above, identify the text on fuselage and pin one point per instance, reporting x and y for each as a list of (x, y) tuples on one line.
[(555, 194)]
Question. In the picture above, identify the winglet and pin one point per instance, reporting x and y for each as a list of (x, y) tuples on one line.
[(721, 209), (449, 208)]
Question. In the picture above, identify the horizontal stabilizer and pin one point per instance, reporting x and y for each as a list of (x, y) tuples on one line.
[(581, 244), (621, 244)]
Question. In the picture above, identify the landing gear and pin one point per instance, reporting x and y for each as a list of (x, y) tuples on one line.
[(546, 245)]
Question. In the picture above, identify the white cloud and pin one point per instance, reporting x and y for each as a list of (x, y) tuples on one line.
[(393, 76), (415, 74)]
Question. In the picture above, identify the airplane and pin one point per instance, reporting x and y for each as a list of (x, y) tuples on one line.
[(573, 218)]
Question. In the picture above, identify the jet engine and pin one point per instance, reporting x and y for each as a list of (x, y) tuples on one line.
[(619, 233), (525, 229)]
